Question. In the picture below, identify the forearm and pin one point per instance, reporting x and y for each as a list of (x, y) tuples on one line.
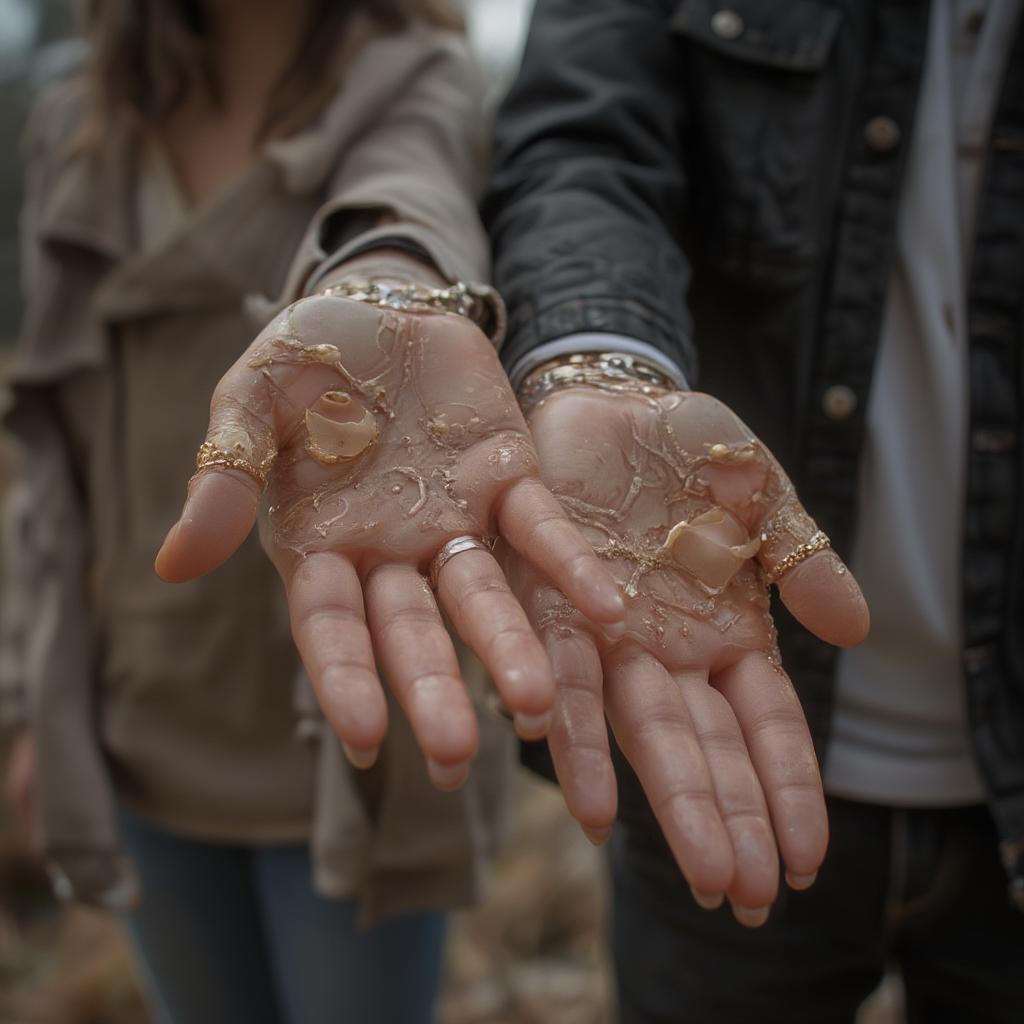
[(411, 181)]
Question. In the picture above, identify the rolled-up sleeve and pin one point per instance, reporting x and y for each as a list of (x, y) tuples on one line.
[(413, 175)]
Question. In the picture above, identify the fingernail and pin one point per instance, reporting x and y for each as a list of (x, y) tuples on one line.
[(361, 758), (532, 727), (608, 595), (750, 917), (800, 882), (707, 900), (598, 836), (615, 630), (447, 776)]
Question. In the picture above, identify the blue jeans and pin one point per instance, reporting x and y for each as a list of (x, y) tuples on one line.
[(922, 889), (231, 934)]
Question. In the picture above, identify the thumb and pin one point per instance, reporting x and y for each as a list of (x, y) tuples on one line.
[(747, 480), (219, 512), (224, 494), (814, 583), (824, 597)]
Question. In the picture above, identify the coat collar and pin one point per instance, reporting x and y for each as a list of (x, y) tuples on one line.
[(234, 249), (88, 201), (91, 196)]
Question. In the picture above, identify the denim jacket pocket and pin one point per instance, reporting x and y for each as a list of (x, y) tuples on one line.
[(794, 35), (766, 114)]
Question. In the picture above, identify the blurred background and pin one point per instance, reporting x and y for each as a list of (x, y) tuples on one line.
[(532, 955)]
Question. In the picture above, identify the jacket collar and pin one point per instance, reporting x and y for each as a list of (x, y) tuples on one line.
[(89, 200), (90, 203), (230, 247)]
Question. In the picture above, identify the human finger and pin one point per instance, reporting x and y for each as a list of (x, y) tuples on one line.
[(325, 603), (219, 512), (475, 594), (254, 409), (533, 522), (813, 582), (422, 669), (578, 739), (747, 480), (782, 753), (654, 730), (823, 596), (739, 796), (231, 473)]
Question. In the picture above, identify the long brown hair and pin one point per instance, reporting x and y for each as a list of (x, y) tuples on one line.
[(147, 54)]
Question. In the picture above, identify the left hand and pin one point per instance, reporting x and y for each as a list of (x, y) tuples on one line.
[(387, 434), (688, 509)]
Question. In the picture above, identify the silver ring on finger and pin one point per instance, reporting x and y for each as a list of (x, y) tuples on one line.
[(454, 547)]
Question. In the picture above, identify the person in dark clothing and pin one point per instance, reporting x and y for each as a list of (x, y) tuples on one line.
[(815, 212)]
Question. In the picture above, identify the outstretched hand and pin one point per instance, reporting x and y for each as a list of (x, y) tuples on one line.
[(381, 436), (694, 516)]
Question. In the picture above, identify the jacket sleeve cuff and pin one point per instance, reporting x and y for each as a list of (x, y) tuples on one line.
[(529, 328), (595, 342), (314, 262)]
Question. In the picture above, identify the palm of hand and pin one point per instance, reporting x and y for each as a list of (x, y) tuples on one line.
[(679, 499), (663, 517), (385, 435), (404, 443)]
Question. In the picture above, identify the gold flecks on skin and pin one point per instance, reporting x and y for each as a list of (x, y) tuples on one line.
[(357, 452)]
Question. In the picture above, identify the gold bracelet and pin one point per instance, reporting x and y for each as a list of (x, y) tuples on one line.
[(477, 302), (609, 371)]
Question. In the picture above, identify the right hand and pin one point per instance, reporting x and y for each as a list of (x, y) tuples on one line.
[(390, 434), (20, 780), (689, 510)]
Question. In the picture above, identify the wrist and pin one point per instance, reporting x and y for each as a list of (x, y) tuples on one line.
[(619, 373), (478, 303)]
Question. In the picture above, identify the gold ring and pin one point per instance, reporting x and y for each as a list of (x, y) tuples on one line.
[(454, 547), (210, 454), (818, 542)]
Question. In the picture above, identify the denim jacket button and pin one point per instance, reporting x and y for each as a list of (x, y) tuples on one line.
[(727, 24), (838, 402), (882, 134)]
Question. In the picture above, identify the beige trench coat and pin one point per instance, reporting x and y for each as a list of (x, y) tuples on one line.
[(182, 700)]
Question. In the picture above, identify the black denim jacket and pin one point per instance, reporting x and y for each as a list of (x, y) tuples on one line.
[(721, 178)]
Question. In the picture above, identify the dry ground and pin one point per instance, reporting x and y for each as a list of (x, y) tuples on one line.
[(532, 955)]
